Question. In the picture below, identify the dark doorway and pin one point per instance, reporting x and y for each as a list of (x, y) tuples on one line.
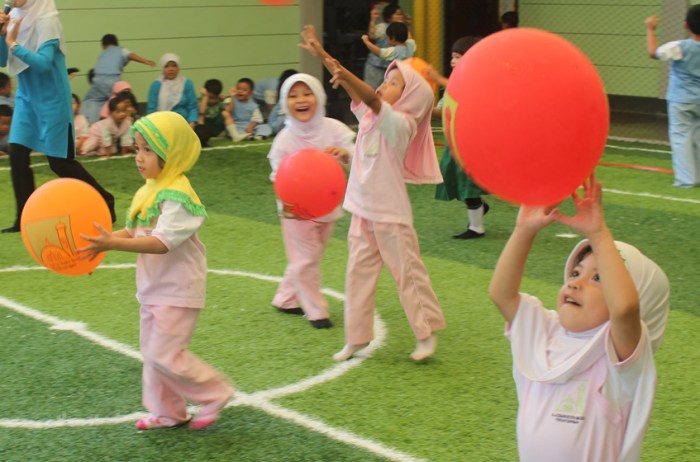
[(468, 17)]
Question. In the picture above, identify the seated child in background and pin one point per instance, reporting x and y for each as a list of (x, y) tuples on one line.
[(117, 88), (277, 114), (211, 120), (400, 46), (242, 115), (104, 134), (265, 94), (80, 124), (5, 123), (584, 374), (6, 97)]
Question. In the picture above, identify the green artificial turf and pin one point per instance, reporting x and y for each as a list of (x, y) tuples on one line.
[(459, 405)]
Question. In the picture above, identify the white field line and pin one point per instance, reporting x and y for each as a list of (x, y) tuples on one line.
[(258, 400)]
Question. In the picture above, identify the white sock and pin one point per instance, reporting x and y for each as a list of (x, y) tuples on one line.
[(425, 348), (235, 134), (348, 351), (476, 219)]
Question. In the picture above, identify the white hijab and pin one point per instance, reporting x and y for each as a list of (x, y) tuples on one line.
[(40, 24), (170, 89), (307, 131)]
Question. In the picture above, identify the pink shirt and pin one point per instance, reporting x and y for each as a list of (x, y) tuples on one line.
[(376, 186), (584, 418), (178, 277), (80, 126), (106, 133)]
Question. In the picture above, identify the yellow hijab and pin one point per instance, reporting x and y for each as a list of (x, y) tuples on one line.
[(174, 141)]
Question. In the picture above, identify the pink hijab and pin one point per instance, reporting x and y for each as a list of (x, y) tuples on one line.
[(117, 88), (420, 164)]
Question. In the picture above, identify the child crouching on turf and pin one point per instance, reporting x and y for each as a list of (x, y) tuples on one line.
[(585, 373), (162, 226), (306, 127)]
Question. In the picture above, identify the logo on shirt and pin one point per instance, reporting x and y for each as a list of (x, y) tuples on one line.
[(571, 409)]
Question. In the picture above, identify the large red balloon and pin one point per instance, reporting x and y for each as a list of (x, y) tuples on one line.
[(52, 220), (310, 183), (526, 115)]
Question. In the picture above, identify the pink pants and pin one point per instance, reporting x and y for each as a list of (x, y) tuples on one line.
[(372, 244), (171, 374), (304, 243)]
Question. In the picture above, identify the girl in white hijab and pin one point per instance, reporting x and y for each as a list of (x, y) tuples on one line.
[(173, 92), (34, 52), (306, 127), (585, 373)]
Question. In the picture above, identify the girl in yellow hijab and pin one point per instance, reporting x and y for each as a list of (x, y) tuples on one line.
[(162, 226)]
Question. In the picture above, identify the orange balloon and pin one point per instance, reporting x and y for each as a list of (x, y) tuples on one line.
[(52, 220), (421, 67), (310, 183)]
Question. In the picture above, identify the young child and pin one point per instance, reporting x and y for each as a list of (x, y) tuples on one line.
[(162, 227), (458, 185), (306, 127), (106, 73), (5, 125), (380, 17), (103, 135), (509, 20), (682, 96), (172, 91), (210, 121), (120, 87), (585, 373), (242, 115), (400, 46), (394, 145), (80, 124)]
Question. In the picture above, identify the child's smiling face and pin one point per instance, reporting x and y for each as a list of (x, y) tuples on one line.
[(581, 303), (392, 88), (243, 91), (301, 102)]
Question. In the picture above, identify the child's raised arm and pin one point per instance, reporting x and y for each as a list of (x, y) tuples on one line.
[(356, 88), (618, 288), (504, 289), (651, 23)]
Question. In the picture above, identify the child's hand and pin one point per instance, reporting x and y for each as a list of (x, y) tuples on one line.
[(651, 22), (232, 92), (340, 154), (365, 38), (338, 71), (100, 243), (432, 73), (589, 219), (311, 43), (534, 218)]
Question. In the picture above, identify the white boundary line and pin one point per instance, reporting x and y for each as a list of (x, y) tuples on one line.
[(259, 400)]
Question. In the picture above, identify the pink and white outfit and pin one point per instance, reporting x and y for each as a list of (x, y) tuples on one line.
[(169, 310), (305, 240), (105, 133), (577, 400), (117, 88), (393, 147), (80, 126)]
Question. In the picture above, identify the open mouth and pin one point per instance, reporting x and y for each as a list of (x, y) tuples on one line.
[(571, 301)]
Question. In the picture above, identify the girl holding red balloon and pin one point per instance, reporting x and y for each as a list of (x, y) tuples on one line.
[(394, 145), (162, 227), (306, 127)]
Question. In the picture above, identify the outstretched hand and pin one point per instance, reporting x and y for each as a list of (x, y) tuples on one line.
[(99, 243), (311, 43), (589, 218)]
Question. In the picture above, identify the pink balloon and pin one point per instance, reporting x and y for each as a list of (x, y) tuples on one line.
[(526, 116), (310, 183)]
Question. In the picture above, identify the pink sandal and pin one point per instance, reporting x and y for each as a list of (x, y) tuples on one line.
[(209, 413), (151, 422)]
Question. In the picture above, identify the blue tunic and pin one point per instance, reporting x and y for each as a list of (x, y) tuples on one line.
[(187, 107), (43, 114)]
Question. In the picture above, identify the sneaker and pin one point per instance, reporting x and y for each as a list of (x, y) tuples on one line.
[(259, 137), (151, 422), (469, 234), (296, 310)]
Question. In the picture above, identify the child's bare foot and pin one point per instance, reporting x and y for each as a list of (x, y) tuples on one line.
[(425, 348), (348, 351), (152, 422)]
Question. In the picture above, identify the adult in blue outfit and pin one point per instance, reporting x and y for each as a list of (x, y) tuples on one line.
[(34, 51)]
